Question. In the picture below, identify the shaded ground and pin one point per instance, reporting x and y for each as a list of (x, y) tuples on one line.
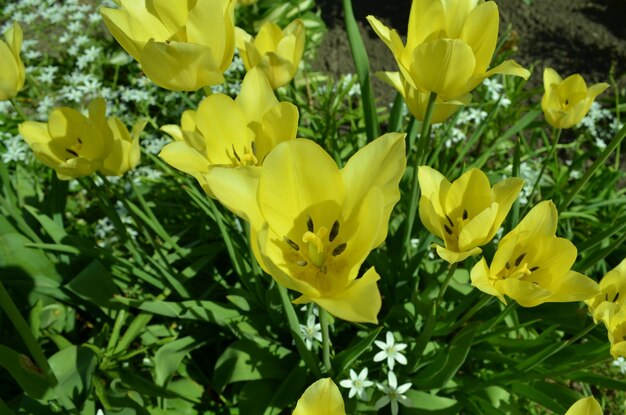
[(584, 36)]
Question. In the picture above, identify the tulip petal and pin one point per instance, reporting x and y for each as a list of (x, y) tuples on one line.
[(209, 24), (278, 124), (585, 406), (425, 18), (380, 163), (471, 192), (359, 303), (180, 66), (185, 158), (479, 276), (573, 286), (480, 30), (256, 96), (550, 77), (452, 257), (443, 66), (300, 179), (505, 192), (321, 398), (477, 231), (541, 220), (434, 186), (236, 189), (525, 293)]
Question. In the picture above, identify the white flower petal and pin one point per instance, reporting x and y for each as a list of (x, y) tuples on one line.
[(380, 356), (403, 388), (401, 359)]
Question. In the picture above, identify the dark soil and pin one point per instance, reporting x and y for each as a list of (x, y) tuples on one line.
[(572, 36)]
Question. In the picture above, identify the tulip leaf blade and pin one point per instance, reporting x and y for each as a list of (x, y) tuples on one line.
[(344, 359)]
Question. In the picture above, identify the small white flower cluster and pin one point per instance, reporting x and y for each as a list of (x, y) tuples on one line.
[(620, 362), (105, 232), (596, 122), (495, 92), (393, 394), (15, 149), (348, 84)]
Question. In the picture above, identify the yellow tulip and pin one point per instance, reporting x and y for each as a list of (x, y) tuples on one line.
[(466, 213), (70, 143), (321, 398), (233, 133), (12, 73), (181, 45), (125, 153), (612, 294), (585, 406), (566, 102), (449, 46), (277, 52), (532, 265), (312, 225)]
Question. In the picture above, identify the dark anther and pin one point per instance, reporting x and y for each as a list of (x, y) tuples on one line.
[(465, 215), (519, 259), (616, 297), (508, 266), (235, 154), (567, 102), (79, 140), (72, 152), (309, 225), (292, 244), (334, 231), (301, 263), (533, 269), (606, 297), (253, 147), (339, 249), (450, 221), (448, 230)]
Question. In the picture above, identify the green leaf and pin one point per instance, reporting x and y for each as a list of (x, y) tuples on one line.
[(74, 368), (192, 310), (94, 284), (246, 360), (271, 395), (56, 231), (448, 361), (23, 265), (425, 403), (538, 396), (24, 371), (169, 356), (345, 358)]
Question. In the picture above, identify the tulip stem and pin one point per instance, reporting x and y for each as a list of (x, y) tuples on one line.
[(422, 144), (615, 142), (556, 134), (325, 339)]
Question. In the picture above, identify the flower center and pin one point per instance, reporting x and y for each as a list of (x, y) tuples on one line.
[(316, 244), (517, 269), (75, 148), (247, 157), (453, 228)]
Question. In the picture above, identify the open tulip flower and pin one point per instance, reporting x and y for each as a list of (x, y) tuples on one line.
[(449, 46), (612, 296), (181, 45), (70, 143), (312, 224), (466, 213), (585, 406), (532, 265), (231, 133), (321, 398), (566, 102), (12, 73), (277, 52)]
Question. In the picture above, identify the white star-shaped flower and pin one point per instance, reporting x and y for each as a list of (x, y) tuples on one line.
[(393, 394), (357, 384), (312, 332), (620, 362), (390, 351)]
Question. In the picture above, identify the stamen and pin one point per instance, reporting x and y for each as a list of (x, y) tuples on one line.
[(465, 215), (448, 230), (519, 259), (253, 148), (235, 154), (606, 297), (339, 249), (450, 221), (334, 231), (79, 140), (291, 244), (508, 266), (616, 297), (533, 269), (301, 263), (72, 152), (309, 225)]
